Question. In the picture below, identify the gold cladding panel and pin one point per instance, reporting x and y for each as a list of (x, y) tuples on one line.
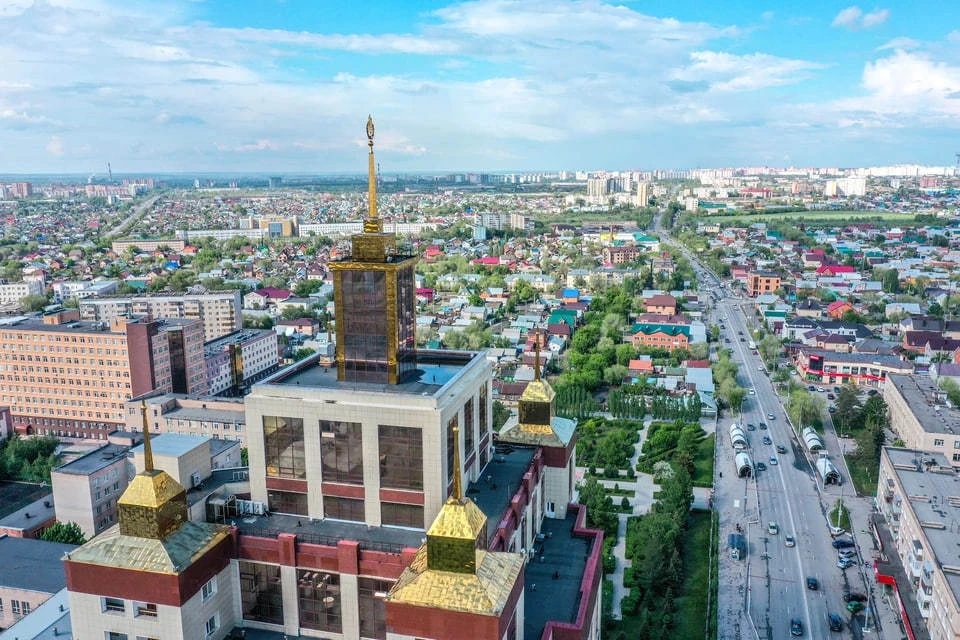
[(459, 519), (373, 247), (538, 391), (151, 489)]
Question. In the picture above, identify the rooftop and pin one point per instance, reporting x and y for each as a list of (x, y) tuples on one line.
[(199, 414), (879, 359), (35, 323), (435, 369), (930, 486), (927, 402), (329, 532), (173, 444), (32, 514), (16, 495), (49, 621), (237, 337), (499, 481), (95, 460), (553, 577), (33, 565)]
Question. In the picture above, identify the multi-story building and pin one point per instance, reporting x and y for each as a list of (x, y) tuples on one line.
[(862, 369), (237, 360), (31, 571), (219, 311), (622, 255), (916, 496), (119, 246), (663, 336), (62, 376), (188, 372), (922, 417), (86, 490), (21, 189), (761, 282), (217, 417), (11, 293)]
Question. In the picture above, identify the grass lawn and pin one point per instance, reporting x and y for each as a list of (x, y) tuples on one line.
[(703, 463), (843, 521), (864, 476), (697, 581), (809, 216)]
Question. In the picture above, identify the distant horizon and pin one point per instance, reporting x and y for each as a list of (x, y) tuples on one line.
[(244, 87)]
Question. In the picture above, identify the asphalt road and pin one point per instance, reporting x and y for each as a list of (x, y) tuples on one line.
[(770, 585)]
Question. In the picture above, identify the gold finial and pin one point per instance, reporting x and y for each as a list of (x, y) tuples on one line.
[(372, 223), (147, 451), (457, 488), (536, 351)]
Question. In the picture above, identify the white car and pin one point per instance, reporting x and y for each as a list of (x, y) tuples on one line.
[(773, 529), (753, 392), (789, 541)]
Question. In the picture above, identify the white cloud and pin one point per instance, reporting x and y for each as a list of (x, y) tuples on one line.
[(55, 146), (854, 19), (900, 43), (727, 72)]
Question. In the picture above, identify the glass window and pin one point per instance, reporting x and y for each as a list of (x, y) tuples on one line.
[(287, 502), (484, 423), (113, 635), (343, 508), (210, 588), (401, 515), (373, 620), (213, 623), (261, 592), (401, 457), (148, 609), (283, 447), (111, 605), (319, 596), (364, 325), (468, 428), (341, 451), (450, 444)]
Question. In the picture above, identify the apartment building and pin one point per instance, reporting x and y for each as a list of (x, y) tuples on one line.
[(217, 417), (86, 490), (917, 498), (67, 377), (31, 571), (220, 311), (921, 416), (144, 245), (622, 255), (237, 360), (760, 282), (11, 293)]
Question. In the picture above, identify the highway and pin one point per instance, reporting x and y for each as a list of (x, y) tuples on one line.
[(760, 596)]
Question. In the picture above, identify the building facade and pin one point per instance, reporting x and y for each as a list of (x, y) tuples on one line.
[(922, 417), (87, 490), (216, 417), (219, 311), (761, 282), (237, 360)]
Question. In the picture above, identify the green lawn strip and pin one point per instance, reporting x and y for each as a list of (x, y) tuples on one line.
[(703, 463), (692, 602), (864, 475)]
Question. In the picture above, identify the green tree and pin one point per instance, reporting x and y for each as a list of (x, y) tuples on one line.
[(804, 408), (952, 389), (33, 302), (301, 353), (891, 281), (68, 533)]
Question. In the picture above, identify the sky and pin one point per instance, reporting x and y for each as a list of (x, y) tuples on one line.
[(485, 85)]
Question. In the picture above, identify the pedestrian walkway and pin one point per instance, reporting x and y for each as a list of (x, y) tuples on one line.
[(619, 551)]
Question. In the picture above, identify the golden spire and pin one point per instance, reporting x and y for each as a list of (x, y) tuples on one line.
[(536, 349), (372, 224), (147, 451), (457, 488)]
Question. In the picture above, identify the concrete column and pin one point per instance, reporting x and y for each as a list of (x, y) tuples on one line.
[(291, 606), (371, 472), (350, 606)]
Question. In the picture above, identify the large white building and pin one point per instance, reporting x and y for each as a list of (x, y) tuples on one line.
[(11, 293), (220, 311), (237, 360)]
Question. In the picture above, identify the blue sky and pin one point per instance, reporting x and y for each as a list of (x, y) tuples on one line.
[(284, 86)]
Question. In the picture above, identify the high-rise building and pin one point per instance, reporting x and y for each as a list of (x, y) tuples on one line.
[(219, 311), (67, 377)]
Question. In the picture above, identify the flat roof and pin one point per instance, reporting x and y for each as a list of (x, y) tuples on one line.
[(206, 415), (547, 597), (49, 621), (920, 393), (329, 532), (498, 482), (95, 460), (16, 495), (881, 359), (71, 326), (31, 515), (172, 444), (34, 565), (237, 337), (435, 369), (928, 492)]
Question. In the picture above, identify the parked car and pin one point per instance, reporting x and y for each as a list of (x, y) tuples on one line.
[(842, 543), (831, 408), (796, 627), (810, 387), (812, 583), (837, 531), (751, 426), (845, 563), (854, 606), (781, 448), (836, 389), (753, 392), (767, 440), (847, 553), (836, 624), (853, 596), (830, 396)]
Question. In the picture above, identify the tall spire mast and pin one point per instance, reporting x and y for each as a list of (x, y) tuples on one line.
[(457, 482), (372, 224), (147, 451)]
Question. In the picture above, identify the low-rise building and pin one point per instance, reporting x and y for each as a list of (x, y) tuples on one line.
[(86, 490), (31, 571), (862, 369), (760, 282), (217, 417)]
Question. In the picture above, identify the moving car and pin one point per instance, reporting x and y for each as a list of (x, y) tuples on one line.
[(753, 392), (830, 396), (781, 448), (773, 529), (836, 624), (763, 425), (854, 606), (761, 466), (773, 461), (767, 440), (751, 426), (842, 543), (812, 583), (796, 627), (831, 408), (789, 541), (770, 416)]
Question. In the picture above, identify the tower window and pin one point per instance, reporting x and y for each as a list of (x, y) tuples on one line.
[(341, 451)]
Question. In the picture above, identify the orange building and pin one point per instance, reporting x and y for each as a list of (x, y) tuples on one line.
[(62, 376), (663, 303), (761, 282), (663, 336)]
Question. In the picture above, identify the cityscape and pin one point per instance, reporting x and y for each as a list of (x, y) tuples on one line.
[(495, 319)]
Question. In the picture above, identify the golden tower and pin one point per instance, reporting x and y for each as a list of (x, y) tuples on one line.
[(375, 297)]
